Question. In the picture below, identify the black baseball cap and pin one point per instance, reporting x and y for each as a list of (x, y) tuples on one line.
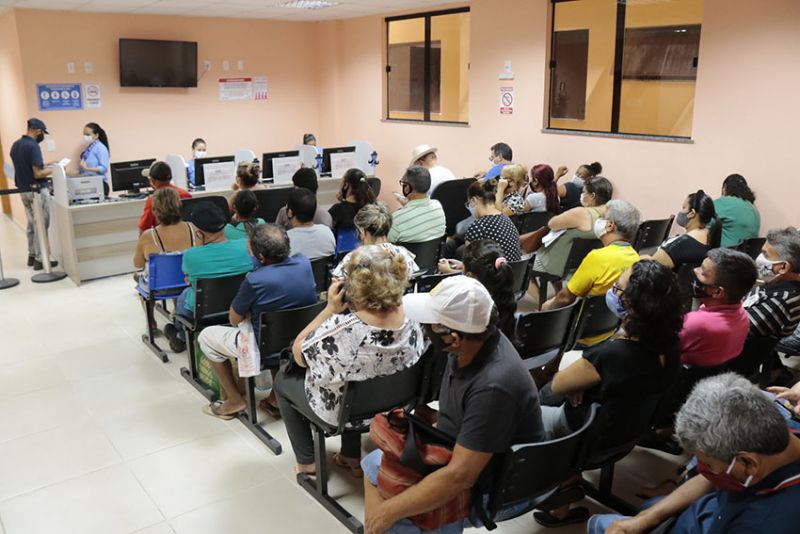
[(37, 124), (208, 218)]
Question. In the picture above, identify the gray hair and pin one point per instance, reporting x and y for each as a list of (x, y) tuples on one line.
[(726, 415), (786, 242), (374, 219), (625, 216), (419, 178), (270, 241)]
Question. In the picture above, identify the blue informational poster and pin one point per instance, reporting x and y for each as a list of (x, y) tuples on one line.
[(59, 96)]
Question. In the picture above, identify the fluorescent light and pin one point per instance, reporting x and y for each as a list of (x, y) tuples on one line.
[(309, 4)]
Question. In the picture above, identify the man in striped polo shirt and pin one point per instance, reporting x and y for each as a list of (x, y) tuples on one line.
[(421, 218)]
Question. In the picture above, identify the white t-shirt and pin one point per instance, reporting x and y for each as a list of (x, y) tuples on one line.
[(537, 202), (312, 241), (439, 174)]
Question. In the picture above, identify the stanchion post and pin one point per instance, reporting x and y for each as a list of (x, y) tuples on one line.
[(49, 275), (5, 283)]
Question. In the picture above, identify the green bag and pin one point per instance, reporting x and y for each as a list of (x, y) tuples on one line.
[(205, 374)]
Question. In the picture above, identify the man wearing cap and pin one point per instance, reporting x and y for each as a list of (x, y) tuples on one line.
[(421, 218), (29, 171), (487, 402), (160, 176), (425, 156), (212, 257)]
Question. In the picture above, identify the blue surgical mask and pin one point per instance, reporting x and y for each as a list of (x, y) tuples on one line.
[(615, 304), (470, 209)]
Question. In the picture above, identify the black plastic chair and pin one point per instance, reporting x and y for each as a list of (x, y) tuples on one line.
[(270, 202), (580, 248), (426, 252), (452, 195), (375, 184), (685, 275), (191, 205), (531, 221), (277, 332), (652, 233), (213, 297), (543, 337), (522, 277), (426, 282), (595, 319), (752, 247), (321, 267), (362, 401)]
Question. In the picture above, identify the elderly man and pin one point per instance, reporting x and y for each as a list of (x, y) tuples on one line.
[(280, 282), (426, 156), (748, 465), (421, 218), (601, 267), (488, 401)]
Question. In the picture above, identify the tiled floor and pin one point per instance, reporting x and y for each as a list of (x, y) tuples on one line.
[(98, 436)]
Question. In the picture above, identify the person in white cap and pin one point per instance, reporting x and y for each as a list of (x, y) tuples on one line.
[(425, 156), (487, 402)]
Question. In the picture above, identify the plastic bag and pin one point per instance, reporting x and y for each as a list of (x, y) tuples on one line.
[(249, 358)]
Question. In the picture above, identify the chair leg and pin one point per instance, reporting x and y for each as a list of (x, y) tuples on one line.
[(604, 495), (319, 488), (162, 309), (191, 374), (249, 418), (149, 338)]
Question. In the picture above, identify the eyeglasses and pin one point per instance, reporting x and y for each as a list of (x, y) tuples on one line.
[(403, 182), (617, 290)]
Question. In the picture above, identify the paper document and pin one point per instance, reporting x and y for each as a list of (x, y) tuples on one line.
[(284, 168), (342, 162), (552, 236), (219, 176)]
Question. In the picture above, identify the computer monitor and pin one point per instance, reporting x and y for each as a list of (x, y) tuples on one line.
[(199, 170), (343, 158), (127, 175), (279, 167)]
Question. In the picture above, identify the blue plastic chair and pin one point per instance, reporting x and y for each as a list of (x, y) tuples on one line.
[(346, 240), (166, 281)]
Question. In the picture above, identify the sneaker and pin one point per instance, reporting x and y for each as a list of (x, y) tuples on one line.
[(170, 332), (38, 266), (31, 261), (177, 345)]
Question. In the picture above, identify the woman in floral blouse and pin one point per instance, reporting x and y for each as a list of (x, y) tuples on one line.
[(362, 333)]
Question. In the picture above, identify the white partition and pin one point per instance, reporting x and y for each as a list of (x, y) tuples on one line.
[(178, 167), (59, 177), (363, 155), (242, 155), (308, 156)]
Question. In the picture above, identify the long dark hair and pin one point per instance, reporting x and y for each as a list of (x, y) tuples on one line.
[(354, 182), (546, 178), (736, 186), (484, 190), (703, 205), (100, 133), (481, 261)]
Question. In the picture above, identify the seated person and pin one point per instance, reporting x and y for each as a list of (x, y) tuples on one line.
[(243, 221), (307, 178), (623, 373), (373, 223), (354, 193), (737, 211), (748, 466), (362, 333), (500, 155), (248, 174), (702, 233), (311, 240), (544, 193), (280, 282), (420, 218), (213, 257), (603, 266), (512, 183), (489, 222), (159, 175), (199, 150), (488, 402), (570, 192), (425, 156)]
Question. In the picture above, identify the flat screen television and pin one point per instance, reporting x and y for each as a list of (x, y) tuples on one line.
[(149, 63)]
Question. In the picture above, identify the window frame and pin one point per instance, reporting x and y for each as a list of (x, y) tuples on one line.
[(426, 103)]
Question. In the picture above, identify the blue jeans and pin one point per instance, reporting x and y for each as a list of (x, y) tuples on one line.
[(697, 519), (371, 464), (183, 311)]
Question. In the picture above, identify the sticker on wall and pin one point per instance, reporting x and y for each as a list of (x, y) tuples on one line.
[(260, 91), (232, 89), (506, 100), (92, 95), (59, 96)]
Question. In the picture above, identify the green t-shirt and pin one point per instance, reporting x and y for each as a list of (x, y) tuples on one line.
[(239, 230), (215, 260), (740, 220)]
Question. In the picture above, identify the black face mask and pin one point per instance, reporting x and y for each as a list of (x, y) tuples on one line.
[(439, 344), (40, 138), (699, 288), (406, 190)]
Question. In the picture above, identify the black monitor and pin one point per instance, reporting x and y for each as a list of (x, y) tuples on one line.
[(127, 175), (326, 156), (268, 170), (199, 173)]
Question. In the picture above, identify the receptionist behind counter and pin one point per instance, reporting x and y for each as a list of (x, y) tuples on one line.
[(94, 158), (199, 150)]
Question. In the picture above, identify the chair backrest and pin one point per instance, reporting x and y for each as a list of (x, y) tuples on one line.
[(278, 329), (539, 333), (580, 248), (213, 297), (595, 318), (652, 233), (522, 277), (531, 221), (165, 271), (346, 240), (532, 469), (375, 184), (426, 252), (425, 283), (752, 247), (452, 195), (685, 275), (192, 205), (321, 268), (243, 155), (270, 202)]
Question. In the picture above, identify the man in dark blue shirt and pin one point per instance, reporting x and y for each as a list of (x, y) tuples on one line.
[(279, 283), (29, 170)]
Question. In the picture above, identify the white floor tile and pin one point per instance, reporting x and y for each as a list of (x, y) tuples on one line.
[(161, 528), (38, 411), (109, 501), (102, 357), (27, 376)]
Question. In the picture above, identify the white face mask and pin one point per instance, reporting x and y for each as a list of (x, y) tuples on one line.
[(199, 153), (87, 139), (585, 200), (577, 180), (765, 265), (600, 227)]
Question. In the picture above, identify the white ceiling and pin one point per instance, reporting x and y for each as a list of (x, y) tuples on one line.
[(262, 9)]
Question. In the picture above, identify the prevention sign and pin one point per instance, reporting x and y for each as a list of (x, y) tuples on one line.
[(233, 89), (260, 89), (59, 96), (506, 100), (92, 95)]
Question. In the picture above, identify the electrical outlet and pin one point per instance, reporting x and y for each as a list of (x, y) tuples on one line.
[(88, 67), (240, 65), (71, 67), (206, 65), (226, 65), (51, 145)]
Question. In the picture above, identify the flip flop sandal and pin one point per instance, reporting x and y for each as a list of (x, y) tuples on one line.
[(211, 409), (355, 469), (271, 409), (576, 515)]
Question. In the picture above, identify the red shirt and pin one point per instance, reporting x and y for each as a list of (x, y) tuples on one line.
[(712, 335), (148, 220)]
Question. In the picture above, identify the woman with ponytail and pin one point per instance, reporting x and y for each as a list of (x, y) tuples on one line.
[(484, 261), (737, 211), (703, 231), (94, 157), (544, 196)]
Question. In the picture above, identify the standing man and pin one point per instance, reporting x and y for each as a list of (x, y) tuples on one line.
[(29, 171)]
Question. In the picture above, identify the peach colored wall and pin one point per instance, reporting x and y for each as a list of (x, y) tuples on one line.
[(745, 115)]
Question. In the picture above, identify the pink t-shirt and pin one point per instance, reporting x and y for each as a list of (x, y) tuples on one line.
[(713, 335)]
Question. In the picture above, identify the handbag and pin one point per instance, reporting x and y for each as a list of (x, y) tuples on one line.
[(249, 357), (532, 241), (413, 449)]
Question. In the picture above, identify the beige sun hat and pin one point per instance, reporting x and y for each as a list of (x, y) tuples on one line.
[(420, 152)]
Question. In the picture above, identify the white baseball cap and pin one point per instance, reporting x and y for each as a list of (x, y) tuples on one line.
[(457, 302), (420, 152)]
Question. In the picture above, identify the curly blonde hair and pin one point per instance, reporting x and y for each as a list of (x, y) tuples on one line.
[(376, 278), (517, 176), (167, 206)]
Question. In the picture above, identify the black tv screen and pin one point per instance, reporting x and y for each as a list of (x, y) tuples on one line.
[(148, 63)]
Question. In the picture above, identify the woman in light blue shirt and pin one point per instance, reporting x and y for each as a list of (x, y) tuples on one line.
[(199, 150), (94, 158)]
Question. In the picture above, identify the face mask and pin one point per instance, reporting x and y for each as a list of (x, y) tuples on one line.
[(577, 180), (471, 210), (765, 266), (724, 481), (199, 154), (438, 342), (406, 190), (615, 304), (600, 227), (40, 138), (87, 139), (682, 219), (699, 288)]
